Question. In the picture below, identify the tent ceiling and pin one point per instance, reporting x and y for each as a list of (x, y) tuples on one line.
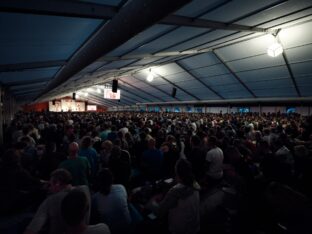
[(207, 50)]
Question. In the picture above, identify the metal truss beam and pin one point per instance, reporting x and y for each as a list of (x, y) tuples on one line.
[(199, 80), (155, 87), (141, 90), (292, 77), (234, 74), (178, 87), (34, 65)]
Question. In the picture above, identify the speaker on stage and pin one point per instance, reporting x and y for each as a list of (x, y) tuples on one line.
[(174, 92), (74, 96), (115, 86)]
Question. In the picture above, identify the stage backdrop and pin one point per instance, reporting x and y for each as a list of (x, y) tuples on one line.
[(66, 105)]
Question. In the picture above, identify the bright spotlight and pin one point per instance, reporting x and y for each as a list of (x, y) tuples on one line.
[(275, 49), (150, 76)]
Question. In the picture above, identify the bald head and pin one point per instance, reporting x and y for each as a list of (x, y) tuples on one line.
[(73, 149)]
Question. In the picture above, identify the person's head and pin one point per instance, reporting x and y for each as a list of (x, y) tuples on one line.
[(74, 208), (120, 135), (41, 150), (117, 142), (26, 140), (105, 181), (128, 136), (59, 180), (171, 139), (116, 152), (86, 142), (212, 141), (107, 146), (184, 174), (151, 143), (26, 129), (73, 149), (165, 147), (51, 147), (195, 141)]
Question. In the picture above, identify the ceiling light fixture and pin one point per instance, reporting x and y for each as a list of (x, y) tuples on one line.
[(150, 76), (276, 48)]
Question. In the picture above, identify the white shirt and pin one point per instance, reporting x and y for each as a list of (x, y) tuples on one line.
[(215, 159)]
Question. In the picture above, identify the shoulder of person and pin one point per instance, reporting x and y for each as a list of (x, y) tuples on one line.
[(100, 228), (83, 188), (119, 187)]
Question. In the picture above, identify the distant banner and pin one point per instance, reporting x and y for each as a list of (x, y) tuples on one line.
[(55, 106), (67, 105), (91, 107), (108, 94)]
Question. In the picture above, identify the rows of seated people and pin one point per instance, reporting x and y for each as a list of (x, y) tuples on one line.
[(232, 173)]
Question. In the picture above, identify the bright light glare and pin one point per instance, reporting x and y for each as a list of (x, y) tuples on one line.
[(77, 95), (275, 49), (86, 94), (89, 90), (98, 90), (150, 77)]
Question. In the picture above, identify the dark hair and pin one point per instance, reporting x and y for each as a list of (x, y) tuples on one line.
[(50, 147), (183, 170), (213, 140), (195, 140), (105, 179), (62, 176), (74, 207), (86, 142)]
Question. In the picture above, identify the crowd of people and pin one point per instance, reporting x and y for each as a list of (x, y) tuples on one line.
[(232, 173)]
